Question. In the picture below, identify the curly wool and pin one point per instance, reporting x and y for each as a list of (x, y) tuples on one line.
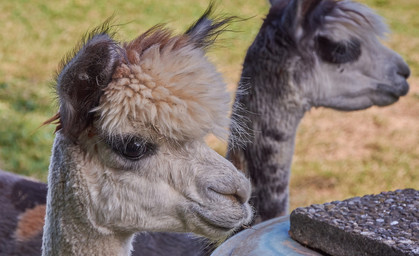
[(170, 86)]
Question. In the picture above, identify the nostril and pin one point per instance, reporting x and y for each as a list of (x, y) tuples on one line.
[(404, 71)]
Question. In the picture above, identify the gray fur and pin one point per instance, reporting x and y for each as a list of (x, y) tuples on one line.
[(33, 193), (288, 70)]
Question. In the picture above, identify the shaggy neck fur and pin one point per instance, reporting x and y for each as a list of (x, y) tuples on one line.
[(272, 116), (69, 228)]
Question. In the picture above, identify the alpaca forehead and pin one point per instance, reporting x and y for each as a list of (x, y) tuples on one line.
[(177, 91), (350, 19)]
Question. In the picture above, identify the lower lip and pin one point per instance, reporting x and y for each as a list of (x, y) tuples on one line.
[(393, 96), (215, 226), (388, 90)]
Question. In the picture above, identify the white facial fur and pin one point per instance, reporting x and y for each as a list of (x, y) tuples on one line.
[(181, 188), (171, 97)]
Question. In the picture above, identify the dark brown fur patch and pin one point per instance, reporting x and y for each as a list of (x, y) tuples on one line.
[(28, 194), (81, 83), (54, 120), (31, 223)]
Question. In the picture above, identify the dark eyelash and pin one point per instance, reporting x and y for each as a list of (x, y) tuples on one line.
[(338, 52), (131, 147)]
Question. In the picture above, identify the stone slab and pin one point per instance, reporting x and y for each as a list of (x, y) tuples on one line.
[(383, 224)]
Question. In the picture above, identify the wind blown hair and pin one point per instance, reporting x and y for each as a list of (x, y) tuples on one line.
[(159, 82)]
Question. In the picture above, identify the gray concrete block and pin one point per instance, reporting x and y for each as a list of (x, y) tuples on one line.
[(386, 224)]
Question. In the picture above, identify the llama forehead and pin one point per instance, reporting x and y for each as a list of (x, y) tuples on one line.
[(350, 19), (168, 85)]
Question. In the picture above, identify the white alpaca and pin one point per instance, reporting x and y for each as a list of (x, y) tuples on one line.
[(129, 153), (322, 53)]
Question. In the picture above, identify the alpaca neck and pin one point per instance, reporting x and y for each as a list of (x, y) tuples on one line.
[(68, 228), (274, 113), (73, 238)]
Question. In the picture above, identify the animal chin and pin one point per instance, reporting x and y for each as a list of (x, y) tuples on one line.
[(395, 91), (220, 227), (381, 100), (390, 99), (223, 224)]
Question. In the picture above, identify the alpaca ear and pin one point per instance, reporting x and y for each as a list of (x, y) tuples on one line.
[(206, 29), (272, 2), (298, 12), (82, 80), (292, 14)]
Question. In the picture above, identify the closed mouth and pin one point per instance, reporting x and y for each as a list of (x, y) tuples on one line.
[(394, 91), (391, 95), (214, 225), (223, 226)]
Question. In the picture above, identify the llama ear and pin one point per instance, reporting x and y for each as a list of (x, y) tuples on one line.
[(206, 29), (82, 80), (298, 14), (292, 14), (272, 2)]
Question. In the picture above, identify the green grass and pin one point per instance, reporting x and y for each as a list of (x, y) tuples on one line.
[(36, 34)]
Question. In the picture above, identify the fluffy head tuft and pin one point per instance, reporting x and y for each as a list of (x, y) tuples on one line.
[(168, 85), (158, 81)]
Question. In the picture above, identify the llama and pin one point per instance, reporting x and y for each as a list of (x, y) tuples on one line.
[(129, 153), (22, 214), (323, 53)]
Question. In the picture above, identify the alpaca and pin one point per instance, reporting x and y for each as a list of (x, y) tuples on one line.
[(323, 53), (22, 214), (22, 219), (129, 153)]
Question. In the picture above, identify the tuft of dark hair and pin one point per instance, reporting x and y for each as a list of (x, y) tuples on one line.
[(208, 27)]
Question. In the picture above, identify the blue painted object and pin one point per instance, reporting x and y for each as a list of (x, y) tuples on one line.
[(269, 238)]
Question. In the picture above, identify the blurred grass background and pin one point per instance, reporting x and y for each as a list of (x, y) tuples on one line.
[(338, 155)]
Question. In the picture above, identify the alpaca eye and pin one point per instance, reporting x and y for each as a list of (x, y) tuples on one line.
[(338, 52), (132, 148)]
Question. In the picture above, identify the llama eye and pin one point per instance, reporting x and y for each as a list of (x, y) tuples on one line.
[(132, 148), (338, 52)]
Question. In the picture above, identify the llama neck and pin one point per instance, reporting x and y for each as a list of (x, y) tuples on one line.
[(274, 112), (68, 228)]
